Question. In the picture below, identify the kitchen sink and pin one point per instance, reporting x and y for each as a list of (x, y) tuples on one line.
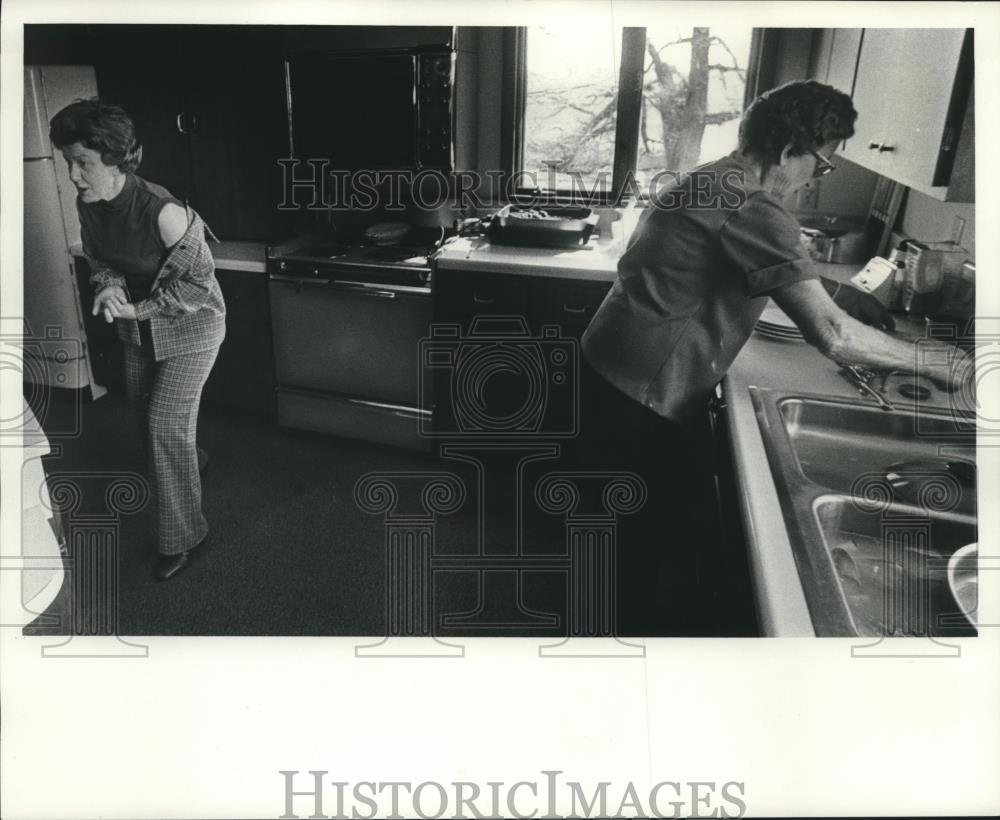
[(892, 570), (874, 502), (857, 448)]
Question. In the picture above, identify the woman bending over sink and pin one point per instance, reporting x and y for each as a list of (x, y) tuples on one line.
[(699, 268)]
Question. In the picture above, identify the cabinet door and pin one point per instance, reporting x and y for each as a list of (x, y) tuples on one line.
[(242, 380), (902, 93), (844, 47), (138, 67), (835, 57), (569, 305), (239, 128)]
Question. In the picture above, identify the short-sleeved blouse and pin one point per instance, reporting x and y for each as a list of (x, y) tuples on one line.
[(691, 286)]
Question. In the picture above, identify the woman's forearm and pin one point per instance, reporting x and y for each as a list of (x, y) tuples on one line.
[(855, 343), (848, 341), (179, 297)]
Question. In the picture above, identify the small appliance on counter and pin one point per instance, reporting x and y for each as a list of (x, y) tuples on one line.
[(549, 227), (928, 266), (876, 278)]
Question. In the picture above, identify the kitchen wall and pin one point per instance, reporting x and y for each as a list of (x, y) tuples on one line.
[(846, 193), (931, 220)]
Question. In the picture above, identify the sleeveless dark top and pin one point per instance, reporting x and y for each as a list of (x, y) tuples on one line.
[(123, 232)]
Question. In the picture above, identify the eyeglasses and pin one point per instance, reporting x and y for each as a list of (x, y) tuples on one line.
[(823, 165)]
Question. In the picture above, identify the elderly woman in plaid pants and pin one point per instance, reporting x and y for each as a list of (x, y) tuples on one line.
[(155, 278)]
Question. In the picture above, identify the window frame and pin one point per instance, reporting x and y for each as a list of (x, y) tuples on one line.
[(760, 73)]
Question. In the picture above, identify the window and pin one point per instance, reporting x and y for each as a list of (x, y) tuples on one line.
[(604, 113), (571, 104)]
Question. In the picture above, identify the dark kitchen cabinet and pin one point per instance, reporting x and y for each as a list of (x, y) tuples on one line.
[(209, 107), (460, 297), (506, 353), (569, 304), (242, 380)]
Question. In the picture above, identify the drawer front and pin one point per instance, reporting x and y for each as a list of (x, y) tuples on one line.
[(459, 299), (570, 306), (242, 380)]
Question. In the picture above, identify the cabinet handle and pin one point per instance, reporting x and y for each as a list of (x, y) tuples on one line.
[(480, 301), (180, 126), (576, 311), (881, 147)]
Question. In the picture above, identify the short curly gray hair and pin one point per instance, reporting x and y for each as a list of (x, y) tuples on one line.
[(805, 114), (101, 127)]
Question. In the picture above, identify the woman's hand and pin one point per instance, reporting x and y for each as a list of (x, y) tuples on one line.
[(859, 304), (103, 301), (957, 372), (120, 310)]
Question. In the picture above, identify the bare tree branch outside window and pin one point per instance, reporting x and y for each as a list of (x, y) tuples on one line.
[(693, 83)]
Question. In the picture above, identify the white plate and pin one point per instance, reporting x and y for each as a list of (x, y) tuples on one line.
[(774, 315), (963, 580)]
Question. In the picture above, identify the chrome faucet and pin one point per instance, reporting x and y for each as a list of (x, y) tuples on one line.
[(862, 379)]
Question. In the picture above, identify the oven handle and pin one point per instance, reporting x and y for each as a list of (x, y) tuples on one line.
[(300, 283), (396, 409), (361, 288)]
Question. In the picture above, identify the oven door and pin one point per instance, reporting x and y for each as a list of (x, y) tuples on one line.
[(354, 339)]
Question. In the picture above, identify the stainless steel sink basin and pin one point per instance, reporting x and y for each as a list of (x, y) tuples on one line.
[(874, 502), (893, 570), (847, 447)]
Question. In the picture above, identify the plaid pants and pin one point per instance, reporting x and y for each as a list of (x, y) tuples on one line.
[(166, 395)]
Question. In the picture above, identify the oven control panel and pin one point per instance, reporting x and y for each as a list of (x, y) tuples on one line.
[(435, 82)]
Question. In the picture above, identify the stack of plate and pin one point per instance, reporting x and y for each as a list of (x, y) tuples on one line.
[(775, 324)]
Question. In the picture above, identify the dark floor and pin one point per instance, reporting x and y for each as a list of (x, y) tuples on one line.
[(291, 552)]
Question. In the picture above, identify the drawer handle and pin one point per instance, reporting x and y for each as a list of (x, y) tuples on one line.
[(480, 301), (575, 311), (881, 147), (364, 290)]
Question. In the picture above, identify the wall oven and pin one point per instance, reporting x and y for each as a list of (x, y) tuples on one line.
[(370, 110), (347, 319)]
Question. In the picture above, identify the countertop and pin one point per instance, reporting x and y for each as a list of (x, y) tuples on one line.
[(597, 262), (241, 256)]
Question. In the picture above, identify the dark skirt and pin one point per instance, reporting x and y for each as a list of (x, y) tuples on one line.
[(661, 549)]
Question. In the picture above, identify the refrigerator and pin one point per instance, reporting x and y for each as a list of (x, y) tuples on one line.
[(55, 339)]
